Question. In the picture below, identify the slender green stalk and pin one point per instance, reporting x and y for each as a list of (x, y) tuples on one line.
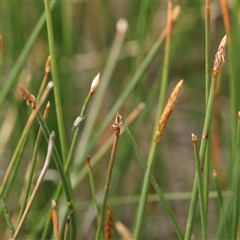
[(207, 88), (7, 216), (105, 78), (63, 178), (67, 228), (152, 155), (236, 210), (233, 99), (93, 187), (21, 143), (98, 155), (200, 187), (165, 70), (33, 163), (192, 210), (116, 126), (39, 181), (154, 183), (11, 81), (57, 96), (76, 127), (220, 201), (219, 59)]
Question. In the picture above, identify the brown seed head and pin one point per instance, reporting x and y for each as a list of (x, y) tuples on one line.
[(219, 57), (28, 97), (167, 112), (48, 65), (108, 229)]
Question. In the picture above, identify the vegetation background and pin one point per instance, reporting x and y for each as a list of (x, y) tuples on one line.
[(84, 33)]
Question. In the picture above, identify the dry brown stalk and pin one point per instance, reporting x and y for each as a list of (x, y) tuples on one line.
[(108, 229), (167, 112), (123, 231), (55, 220)]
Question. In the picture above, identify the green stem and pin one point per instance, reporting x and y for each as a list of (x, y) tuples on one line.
[(154, 183), (202, 151), (207, 88), (63, 178), (200, 187), (220, 201), (11, 81), (70, 157), (144, 194), (7, 216), (108, 180), (236, 185), (57, 97)]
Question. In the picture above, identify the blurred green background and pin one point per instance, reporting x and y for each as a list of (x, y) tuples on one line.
[(84, 33)]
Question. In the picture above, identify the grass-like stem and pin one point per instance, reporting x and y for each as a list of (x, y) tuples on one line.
[(219, 59), (207, 88), (154, 183), (116, 126), (91, 179), (57, 96), (39, 181), (200, 186), (33, 163), (76, 127), (151, 159), (236, 185), (7, 216)]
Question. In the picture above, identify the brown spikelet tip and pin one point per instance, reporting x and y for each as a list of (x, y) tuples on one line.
[(214, 173), (28, 97), (48, 65), (194, 138), (219, 57), (238, 115), (167, 111), (108, 228)]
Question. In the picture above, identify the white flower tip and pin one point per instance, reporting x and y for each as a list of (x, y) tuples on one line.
[(141, 105), (50, 84), (176, 12), (224, 41), (95, 82), (54, 203), (122, 25)]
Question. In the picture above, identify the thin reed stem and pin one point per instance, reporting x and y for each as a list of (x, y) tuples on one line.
[(220, 201), (154, 183), (67, 229), (91, 179), (57, 96), (151, 159), (236, 186), (219, 59), (98, 155), (39, 181), (63, 178), (22, 141), (207, 88), (7, 216), (116, 126), (33, 163), (200, 187), (76, 127), (55, 220)]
